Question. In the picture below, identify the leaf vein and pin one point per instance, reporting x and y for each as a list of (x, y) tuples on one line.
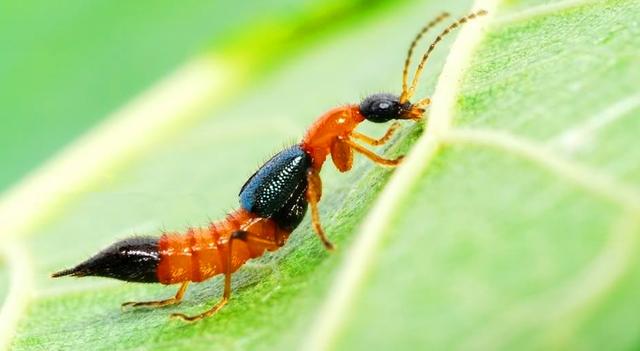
[(351, 274), (590, 179), (571, 302), (580, 135)]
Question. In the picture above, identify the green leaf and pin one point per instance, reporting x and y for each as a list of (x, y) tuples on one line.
[(512, 224)]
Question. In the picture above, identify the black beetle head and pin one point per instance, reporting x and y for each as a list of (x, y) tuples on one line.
[(381, 108)]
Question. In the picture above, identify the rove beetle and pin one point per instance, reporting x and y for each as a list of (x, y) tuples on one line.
[(273, 201)]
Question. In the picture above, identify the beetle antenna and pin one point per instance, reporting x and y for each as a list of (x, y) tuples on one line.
[(407, 61), (446, 31)]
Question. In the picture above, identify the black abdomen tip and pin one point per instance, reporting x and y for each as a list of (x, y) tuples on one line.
[(133, 260)]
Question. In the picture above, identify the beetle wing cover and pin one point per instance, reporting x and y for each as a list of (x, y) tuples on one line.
[(273, 187)]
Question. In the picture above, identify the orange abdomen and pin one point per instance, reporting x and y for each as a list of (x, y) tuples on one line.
[(202, 253)]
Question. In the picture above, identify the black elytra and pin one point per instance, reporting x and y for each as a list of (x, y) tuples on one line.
[(278, 189), (381, 108)]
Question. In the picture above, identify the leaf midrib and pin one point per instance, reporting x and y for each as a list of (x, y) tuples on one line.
[(439, 134)]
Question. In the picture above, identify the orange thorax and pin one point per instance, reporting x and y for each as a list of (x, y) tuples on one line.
[(337, 122)]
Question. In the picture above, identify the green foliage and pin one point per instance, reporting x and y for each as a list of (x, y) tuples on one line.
[(491, 248), (66, 65)]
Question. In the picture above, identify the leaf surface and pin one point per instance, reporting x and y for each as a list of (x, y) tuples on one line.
[(518, 232)]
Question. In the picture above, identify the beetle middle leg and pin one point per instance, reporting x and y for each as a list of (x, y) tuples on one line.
[(314, 192)]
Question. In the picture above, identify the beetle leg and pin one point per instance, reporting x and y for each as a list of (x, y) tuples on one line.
[(373, 156), (375, 142), (237, 235), (342, 155), (161, 303), (314, 192)]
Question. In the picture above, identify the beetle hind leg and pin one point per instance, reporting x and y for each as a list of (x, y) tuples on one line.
[(249, 238), (160, 303)]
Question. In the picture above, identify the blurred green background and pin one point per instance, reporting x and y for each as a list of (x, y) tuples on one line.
[(67, 65)]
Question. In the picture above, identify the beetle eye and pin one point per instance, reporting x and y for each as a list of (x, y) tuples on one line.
[(384, 105)]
